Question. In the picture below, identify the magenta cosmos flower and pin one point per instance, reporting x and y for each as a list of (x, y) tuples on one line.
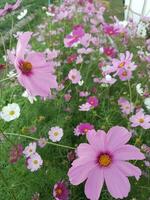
[(34, 73), (140, 119), (110, 29), (83, 128), (73, 38), (60, 191), (104, 159), (93, 101)]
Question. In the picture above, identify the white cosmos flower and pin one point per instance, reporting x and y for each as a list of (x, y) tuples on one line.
[(10, 112), (22, 14), (29, 97), (55, 134), (147, 103), (50, 14), (139, 89), (80, 83)]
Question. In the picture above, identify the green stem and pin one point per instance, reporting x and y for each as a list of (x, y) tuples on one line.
[(33, 138), (6, 79)]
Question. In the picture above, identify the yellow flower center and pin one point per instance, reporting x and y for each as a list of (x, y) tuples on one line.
[(141, 120), (104, 160), (56, 134), (26, 67), (121, 64), (58, 191), (35, 162), (12, 112)]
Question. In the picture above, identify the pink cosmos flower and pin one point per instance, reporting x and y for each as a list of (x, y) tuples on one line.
[(125, 106), (34, 162), (86, 39), (74, 75), (83, 128), (124, 74), (104, 159), (93, 101), (140, 119), (84, 94), (73, 39), (110, 30), (85, 51), (42, 142), (9, 7), (67, 97), (124, 62), (34, 73), (30, 149), (60, 191)]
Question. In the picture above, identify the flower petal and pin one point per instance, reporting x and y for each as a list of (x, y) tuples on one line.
[(128, 169), (128, 152), (80, 173), (85, 150), (116, 137), (22, 44), (94, 183), (117, 183), (97, 139)]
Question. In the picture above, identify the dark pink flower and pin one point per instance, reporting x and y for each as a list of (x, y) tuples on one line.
[(71, 58), (73, 38), (110, 29), (83, 128), (60, 191), (93, 100), (110, 51), (15, 153)]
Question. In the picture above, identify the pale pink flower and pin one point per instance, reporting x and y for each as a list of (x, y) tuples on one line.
[(85, 51), (34, 162), (124, 74), (79, 59), (67, 97), (124, 62), (74, 75), (125, 106), (42, 142), (85, 107), (140, 119), (34, 73), (84, 94), (105, 159), (30, 149), (55, 134)]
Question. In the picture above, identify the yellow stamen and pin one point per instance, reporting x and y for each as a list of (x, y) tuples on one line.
[(104, 160)]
